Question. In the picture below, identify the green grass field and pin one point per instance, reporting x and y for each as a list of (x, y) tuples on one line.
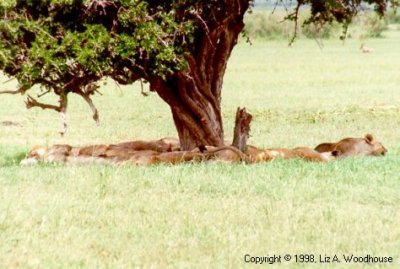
[(211, 215)]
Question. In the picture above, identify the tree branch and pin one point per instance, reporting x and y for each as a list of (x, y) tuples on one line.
[(63, 112), (295, 16), (21, 91), (11, 92), (142, 89), (89, 101), (62, 108), (31, 102)]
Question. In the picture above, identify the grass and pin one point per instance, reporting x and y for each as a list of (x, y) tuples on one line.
[(211, 215)]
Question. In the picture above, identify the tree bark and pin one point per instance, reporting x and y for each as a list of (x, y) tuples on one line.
[(242, 129), (197, 119), (194, 95)]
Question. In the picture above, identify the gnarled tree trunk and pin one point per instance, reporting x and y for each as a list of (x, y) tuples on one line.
[(194, 95)]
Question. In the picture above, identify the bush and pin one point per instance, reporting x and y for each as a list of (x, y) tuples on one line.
[(324, 31), (267, 25), (393, 17), (368, 25)]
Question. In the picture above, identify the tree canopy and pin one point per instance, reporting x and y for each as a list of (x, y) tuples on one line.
[(180, 46), (68, 45)]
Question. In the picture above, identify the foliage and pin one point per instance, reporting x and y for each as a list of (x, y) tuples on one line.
[(267, 25), (370, 25), (54, 42), (69, 45), (270, 26), (393, 17), (343, 12)]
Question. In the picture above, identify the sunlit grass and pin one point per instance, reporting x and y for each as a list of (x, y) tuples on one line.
[(211, 215)]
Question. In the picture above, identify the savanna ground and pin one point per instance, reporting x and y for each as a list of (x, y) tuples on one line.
[(211, 215)]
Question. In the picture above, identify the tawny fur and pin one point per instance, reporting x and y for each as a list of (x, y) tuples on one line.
[(257, 155), (299, 153), (62, 154), (366, 146), (325, 147), (228, 154), (178, 157), (166, 150), (93, 150), (55, 153), (366, 49), (135, 151), (143, 157), (162, 145), (152, 157), (312, 155)]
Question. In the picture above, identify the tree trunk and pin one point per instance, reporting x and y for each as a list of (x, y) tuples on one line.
[(242, 129), (194, 94), (197, 117)]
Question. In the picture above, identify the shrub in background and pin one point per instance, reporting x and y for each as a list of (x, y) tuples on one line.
[(393, 17), (270, 26)]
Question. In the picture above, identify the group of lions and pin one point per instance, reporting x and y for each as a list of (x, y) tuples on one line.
[(167, 150)]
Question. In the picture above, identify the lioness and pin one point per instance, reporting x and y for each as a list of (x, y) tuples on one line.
[(257, 155), (166, 144), (366, 146), (300, 153), (56, 153), (62, 154), (178, 157), (228, 154), (103, 153)]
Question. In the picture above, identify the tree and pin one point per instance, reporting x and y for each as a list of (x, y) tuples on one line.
[(181, 47)]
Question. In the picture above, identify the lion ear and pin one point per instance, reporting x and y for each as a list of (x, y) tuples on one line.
[(369, 138)]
